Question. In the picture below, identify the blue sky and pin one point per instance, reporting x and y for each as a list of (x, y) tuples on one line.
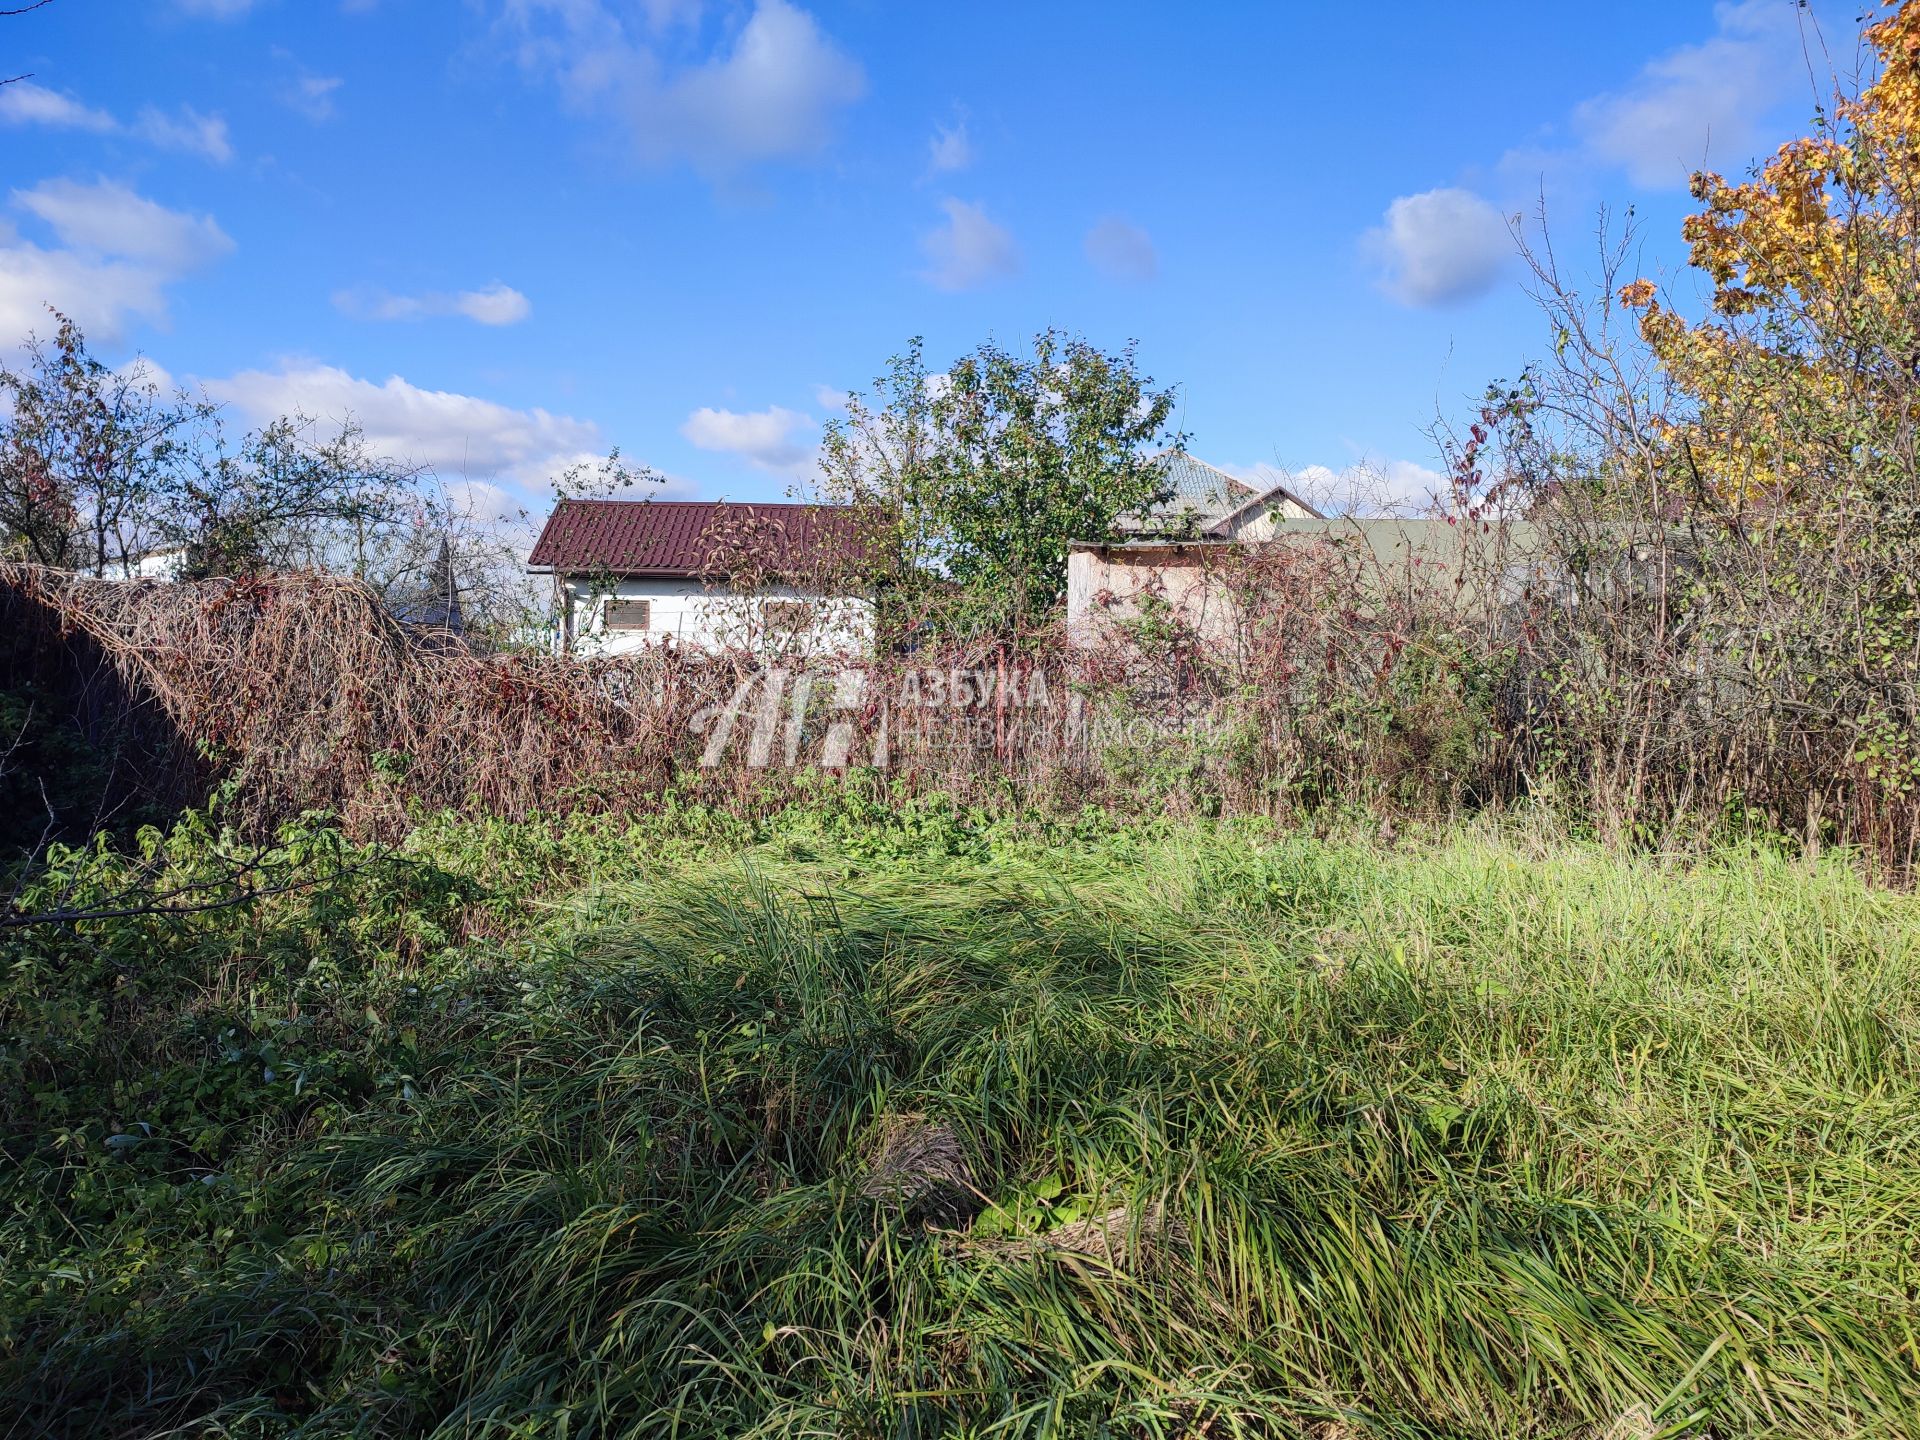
[(507, 233)]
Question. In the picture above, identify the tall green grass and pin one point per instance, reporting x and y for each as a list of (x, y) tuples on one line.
[(1490, 1134)]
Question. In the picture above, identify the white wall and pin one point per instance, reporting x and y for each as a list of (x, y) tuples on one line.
[(699, 618), (160, 565), (1265, 522)]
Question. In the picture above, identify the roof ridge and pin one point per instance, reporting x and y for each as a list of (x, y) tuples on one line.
[(1227, 475), (761, 504), (1231, 482), (677, 536), (1260, 497)]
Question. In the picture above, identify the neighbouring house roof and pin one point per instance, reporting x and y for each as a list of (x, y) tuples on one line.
[(1204, 498), (1388, 548), (693, 539), (1383, 537), (1202, 486), (435, 603)]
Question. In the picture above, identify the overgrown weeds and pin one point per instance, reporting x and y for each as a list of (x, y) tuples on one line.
[(1172, 1129), (301, 692)]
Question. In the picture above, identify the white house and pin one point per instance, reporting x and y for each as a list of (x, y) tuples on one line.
[(785, 579), (165, 564)]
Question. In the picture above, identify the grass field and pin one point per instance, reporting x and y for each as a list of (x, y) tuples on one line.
[(928, 1125)]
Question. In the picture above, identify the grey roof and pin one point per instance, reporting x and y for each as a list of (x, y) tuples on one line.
[(1397, 540), (1202, 497), (1387, 549), (435, 604), (1199, 486)]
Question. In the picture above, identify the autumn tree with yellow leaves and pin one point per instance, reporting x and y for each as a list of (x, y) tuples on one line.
[(1806, 376), (1733, 495)]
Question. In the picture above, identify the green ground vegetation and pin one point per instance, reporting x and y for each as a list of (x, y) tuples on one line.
[(902, 1122)]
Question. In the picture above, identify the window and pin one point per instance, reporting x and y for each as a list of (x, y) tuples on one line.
[(788, 617), (628, 614)]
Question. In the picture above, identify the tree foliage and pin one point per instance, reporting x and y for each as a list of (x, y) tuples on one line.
[(102, 468), (1800, 387), (983, 474), (1795, 404), (1731, 492), (287, 497), (88, 456)]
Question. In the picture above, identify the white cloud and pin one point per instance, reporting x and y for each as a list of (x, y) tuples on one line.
[(1391, 487), (497, 304), (527, 489), (950, 149), (25, 103), (1366, 487), (1121, 250), (1439, 247), (1695, 106), (771, 93), (99, 294), (311, 95), (832, 398), (451, 433), (109, 219), (969, 250), (483, 501), (118, 252), (772, 439), (1699, 103), (189, 132), (1692, 106)]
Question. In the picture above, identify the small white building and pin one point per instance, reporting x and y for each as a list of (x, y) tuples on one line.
[(166, 564), (777, 579)]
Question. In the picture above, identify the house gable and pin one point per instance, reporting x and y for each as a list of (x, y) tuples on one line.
[(1204, 500)]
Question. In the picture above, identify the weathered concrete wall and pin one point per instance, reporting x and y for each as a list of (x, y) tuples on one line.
[(1107, 585)]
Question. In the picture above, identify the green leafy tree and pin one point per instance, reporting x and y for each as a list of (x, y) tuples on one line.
[(87, 455), (285, 498), (100, 467), (980, 476)]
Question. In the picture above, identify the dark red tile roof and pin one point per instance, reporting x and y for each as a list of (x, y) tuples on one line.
[(690, 539)]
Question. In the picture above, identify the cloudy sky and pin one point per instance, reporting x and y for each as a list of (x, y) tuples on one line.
[(504, 234)]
